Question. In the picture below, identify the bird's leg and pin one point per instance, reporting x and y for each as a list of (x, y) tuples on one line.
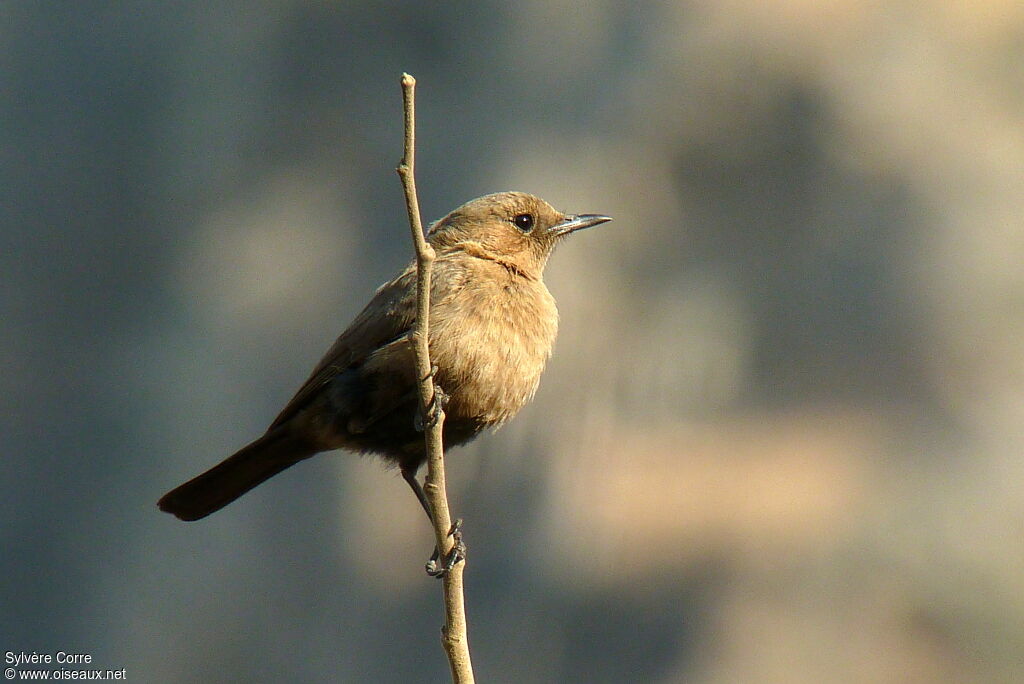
[(438, 402), (458, 552), (409, 475)]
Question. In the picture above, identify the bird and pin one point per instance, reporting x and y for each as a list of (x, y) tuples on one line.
[(492, 327)]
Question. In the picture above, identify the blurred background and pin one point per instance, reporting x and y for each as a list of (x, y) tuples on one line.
[(781, 436)]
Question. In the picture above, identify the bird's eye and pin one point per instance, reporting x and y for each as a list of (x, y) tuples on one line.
[(523, 222)]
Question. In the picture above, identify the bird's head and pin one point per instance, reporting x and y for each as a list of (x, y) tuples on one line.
[(513, 227)]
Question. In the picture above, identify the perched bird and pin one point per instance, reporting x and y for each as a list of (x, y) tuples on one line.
[(492, 327)]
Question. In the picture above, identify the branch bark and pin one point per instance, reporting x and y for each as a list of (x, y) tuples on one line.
[(454, 636)]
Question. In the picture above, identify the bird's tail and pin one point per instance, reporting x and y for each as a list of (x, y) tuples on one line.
[(236, 475)]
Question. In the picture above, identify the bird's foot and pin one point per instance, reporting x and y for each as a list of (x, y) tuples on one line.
[(438, 402), (455, 556)]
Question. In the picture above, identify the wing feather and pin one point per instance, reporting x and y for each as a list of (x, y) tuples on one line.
[(387, 317)]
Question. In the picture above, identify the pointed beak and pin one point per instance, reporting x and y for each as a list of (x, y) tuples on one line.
[(578, 222)]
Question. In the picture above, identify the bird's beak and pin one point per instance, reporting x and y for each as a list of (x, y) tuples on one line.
[(578, 222)]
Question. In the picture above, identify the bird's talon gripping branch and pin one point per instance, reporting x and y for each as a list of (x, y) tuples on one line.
[(432, 373), (454, 557), (438, 403)]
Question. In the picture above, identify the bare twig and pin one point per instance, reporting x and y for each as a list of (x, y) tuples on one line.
[(454, 635)]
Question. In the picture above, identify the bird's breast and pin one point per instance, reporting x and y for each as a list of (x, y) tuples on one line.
[(490, 340)]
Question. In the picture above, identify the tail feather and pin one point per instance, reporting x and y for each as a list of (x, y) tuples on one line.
[(236, 475)]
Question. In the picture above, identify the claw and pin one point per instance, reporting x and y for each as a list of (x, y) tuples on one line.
[(433, 371), (454, 557), (438, 402)]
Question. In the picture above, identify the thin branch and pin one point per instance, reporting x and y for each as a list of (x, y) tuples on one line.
[(454, 636)]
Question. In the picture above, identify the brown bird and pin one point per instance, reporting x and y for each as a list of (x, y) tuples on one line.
[(492, 327)]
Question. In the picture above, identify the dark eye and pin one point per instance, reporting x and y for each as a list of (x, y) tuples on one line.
[(524, 222)]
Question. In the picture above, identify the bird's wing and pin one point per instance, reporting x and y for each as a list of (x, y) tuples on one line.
[(387, 317)]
